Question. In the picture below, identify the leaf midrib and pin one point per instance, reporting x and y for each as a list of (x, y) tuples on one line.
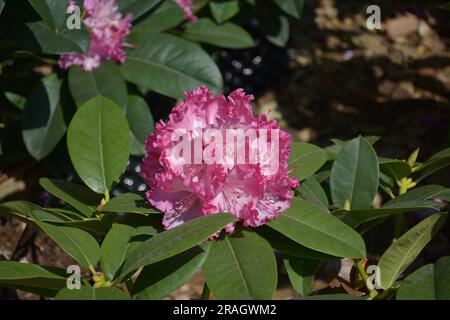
[(322, 232)]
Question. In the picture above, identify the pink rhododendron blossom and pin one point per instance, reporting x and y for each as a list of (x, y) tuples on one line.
[(187, 6), (107, 30), (254, 192)]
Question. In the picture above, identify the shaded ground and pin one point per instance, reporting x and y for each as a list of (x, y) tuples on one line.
[(345, 81)]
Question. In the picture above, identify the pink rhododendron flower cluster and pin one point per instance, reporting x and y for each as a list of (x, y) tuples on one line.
[(107, 31), (187, 6), (184, 191)]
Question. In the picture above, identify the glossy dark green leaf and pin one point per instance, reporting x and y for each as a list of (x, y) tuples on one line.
[(140, 121), (106, 81), (223, 10), (397, 169), (77, 243), (90, 293), (160, 279), (306, 159), (301, 273), (117, 245), (315, 228), (79, 197), (99, 143), (43, 118), (29, 212), (312, 191), (52, 12), (406, 249), (91, 225), (287, 246), (129, 203), (430, 282), (31, 277), (174, 241), (335, 296), (292, 7), (339, 144), (136, 7), (227, 35), (437, 162), (2, 5), (51, 42), (355, 175), (276, 29), (241, 266), (168, 15), (355, 217), (428, 192), (169, 65)]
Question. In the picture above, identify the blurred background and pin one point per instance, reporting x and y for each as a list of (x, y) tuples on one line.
[(334, 79)]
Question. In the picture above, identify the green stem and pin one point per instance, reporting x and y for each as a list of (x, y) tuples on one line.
[(206, 292), (23, 53), (359, 266)]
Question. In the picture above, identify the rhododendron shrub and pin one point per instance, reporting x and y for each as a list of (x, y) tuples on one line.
[(227, 191)]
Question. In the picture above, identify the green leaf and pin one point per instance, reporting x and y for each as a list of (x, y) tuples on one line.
[(301, 273), (406, 249), (286, 246), (106, 81), (312, 191), (51, 42), (116, 246), (17, 100), (136, 7), (227, 35), (43, 120), (52, 12), (292, 7), (93, 226), (223, 10), (316, 229), (31, 277), (338, 145), (28, 212), (354, 175), (397, 169), (168, 15), (77, 243), (445, 6), (99, 143), (90, 293), (129, 203), (437, 162), (241, 266), (2, 5), (140, 121), (355, 217), (79, 197), (170, 65), (174, 241), (335, 296), (276, 29), (430, 282), (428, 192), (306, 159), (160, 279)]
